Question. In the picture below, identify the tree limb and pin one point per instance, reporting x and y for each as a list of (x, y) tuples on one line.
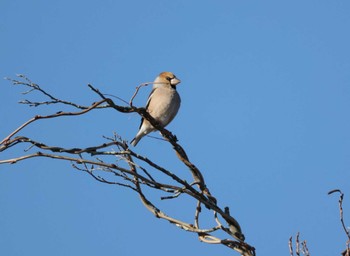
[(130, 169)]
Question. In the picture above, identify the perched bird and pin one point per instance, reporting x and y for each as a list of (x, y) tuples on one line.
[(163, 104)]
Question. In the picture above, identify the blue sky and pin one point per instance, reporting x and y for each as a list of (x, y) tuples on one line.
[(265, 100)]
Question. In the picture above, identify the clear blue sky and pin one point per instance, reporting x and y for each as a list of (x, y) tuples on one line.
[(265, 116)]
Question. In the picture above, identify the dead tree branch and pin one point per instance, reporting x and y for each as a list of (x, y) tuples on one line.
[(124, 167), (346, 230), (299, 249)]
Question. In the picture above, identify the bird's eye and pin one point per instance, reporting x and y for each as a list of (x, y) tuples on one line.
[(168, 78)]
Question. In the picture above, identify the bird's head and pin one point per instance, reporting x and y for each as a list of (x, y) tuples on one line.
[(167, 78)]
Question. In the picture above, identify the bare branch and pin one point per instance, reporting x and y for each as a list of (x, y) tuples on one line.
[(58, 114), (303, 249), (132, 170), (137, 90), (35, 87), (341, 197), (290, 245), (297, 245)]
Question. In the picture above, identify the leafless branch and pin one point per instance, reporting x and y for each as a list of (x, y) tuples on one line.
[(131, 170), (346, 230), (38, 117), (297, 245), (290, 244), (298, 249), (34, 87), (137, 90), (305, 249)]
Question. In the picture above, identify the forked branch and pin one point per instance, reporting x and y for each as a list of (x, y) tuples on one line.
[(113, 162)]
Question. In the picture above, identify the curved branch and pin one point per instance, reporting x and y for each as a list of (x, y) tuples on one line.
[(136, 174), (58, 114)]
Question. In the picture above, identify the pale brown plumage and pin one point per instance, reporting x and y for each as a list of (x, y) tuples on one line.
[(163, 104)]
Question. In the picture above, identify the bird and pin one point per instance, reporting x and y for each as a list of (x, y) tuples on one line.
[(163, 104)]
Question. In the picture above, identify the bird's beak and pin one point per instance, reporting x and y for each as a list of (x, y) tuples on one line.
[(175, 81)]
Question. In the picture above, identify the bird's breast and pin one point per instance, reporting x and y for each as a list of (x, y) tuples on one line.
[(164, 105)]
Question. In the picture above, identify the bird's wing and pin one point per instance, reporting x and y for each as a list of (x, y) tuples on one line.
[(147, 104), (149, 98)]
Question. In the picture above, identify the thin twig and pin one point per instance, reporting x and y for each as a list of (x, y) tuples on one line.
[(58, 114), (341, 197), (137, 90), (36, 87), (297, 245), (305, 249), (290, 244)]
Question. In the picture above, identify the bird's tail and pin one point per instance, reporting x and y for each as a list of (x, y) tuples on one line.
[(135, 141)]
